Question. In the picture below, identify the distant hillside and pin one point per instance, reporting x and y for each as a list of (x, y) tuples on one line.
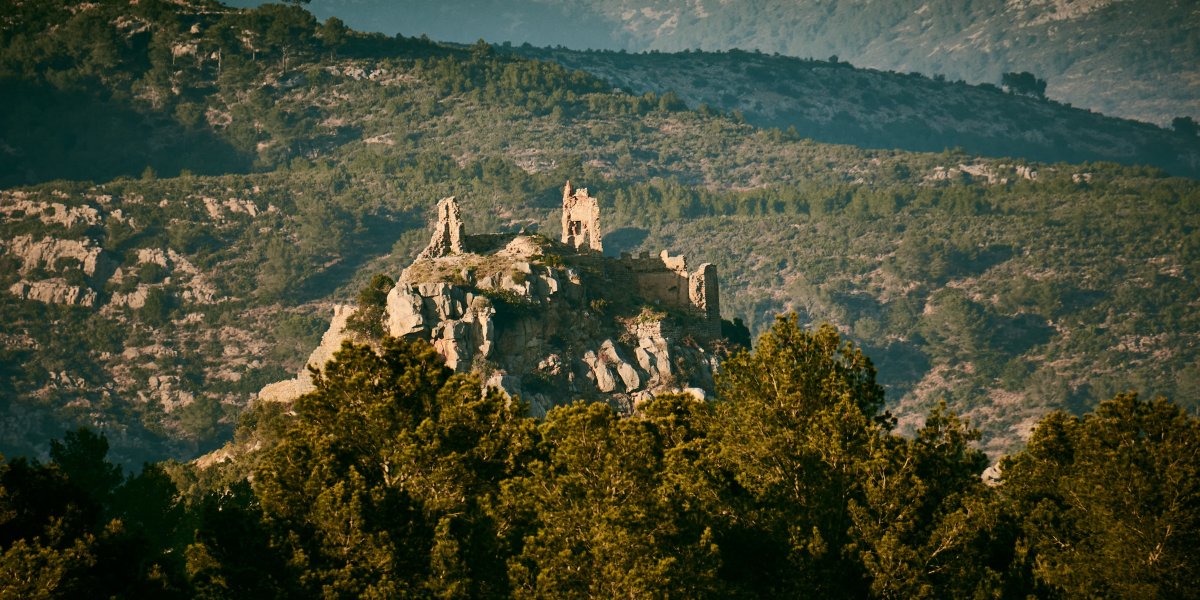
[(1134, 59), (838, 103), (154, 300)]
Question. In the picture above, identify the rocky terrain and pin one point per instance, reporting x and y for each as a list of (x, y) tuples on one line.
[(112, 324)]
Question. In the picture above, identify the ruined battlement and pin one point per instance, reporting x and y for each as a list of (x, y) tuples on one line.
[(648, 262), (581, 219), (663, 280), (449, 233)]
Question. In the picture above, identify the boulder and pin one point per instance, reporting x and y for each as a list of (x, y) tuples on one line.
[(404, 314), (628, 374), (599, 372)]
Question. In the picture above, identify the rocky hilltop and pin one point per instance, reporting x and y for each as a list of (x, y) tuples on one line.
[(552, 321)]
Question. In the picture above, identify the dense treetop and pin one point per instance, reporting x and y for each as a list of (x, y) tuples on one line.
[(397, 478)]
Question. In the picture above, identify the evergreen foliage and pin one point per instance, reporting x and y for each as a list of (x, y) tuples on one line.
[(369, 313), (399, 478), (1024, 83)]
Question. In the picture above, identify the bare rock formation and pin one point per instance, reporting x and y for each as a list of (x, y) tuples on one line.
[(54, 291), (580, 219), (18, 202), (552, 331), (457, 322), (549, 323), (134, 299), (448, 232), (48, 252)]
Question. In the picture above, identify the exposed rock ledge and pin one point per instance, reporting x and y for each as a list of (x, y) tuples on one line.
[(54, 291)]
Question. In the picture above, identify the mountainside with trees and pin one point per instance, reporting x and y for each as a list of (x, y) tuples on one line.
[(395, 478), (835, 102), (1133, 59), (154, 300), (189, 188)]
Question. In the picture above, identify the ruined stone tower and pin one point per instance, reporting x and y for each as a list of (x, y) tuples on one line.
[(448, 233), (580, 219), (665, 280)]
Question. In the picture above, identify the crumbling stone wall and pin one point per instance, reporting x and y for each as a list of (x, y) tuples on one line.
[(448, 233), (705, 297), (665, 280), (581, 219)]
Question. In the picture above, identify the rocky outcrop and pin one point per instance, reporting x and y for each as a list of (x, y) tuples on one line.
[(549, 325), (134, 299), (47, 252), (153, 256), (14, 203), (457, 322), (217, 209), (54, 291), (547, 322), (166, 392), (1001, 174)]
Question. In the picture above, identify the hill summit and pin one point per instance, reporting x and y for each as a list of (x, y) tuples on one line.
[(550, 320)]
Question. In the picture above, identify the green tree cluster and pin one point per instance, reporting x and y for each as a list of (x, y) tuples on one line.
[(399, 478), (1024, 83), (367, 320)]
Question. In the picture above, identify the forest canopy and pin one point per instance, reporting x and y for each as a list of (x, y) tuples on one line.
[(398, 478)]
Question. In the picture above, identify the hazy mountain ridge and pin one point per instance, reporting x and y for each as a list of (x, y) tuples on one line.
[(1092, 54), (1130, 59), (835, 102)]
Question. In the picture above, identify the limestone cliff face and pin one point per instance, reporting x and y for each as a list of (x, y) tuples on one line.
[(45, 252), (546, 322), (54, 291)]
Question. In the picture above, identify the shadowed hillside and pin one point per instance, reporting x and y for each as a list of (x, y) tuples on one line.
[(838, 103)]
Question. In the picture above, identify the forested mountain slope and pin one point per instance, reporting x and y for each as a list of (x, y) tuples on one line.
[(153, 302), (1134, 59), (839, 103)]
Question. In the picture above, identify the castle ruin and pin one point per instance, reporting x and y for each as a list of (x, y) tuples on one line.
[(549, 320), (448, 237), (663, 280), (580, 219)]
